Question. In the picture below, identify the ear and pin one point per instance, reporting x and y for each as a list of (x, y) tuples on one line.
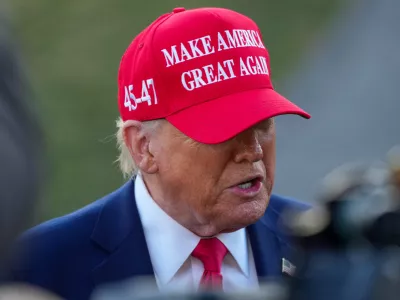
[(137, 140)]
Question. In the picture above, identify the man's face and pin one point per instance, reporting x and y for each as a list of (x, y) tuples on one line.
[(214, 188)]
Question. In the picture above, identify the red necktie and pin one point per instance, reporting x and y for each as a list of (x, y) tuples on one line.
[(211, 252)]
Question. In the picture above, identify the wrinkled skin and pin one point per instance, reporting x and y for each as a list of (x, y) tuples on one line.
[(196, 184)]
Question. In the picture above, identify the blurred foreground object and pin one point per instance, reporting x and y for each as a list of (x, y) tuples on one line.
[(24, 292), (350, 240), (20, 145), (145, 288)]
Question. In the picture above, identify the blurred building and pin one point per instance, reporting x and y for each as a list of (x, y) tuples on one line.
[(348, 81)]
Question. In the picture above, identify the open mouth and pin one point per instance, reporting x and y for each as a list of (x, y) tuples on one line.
[(249, 183)]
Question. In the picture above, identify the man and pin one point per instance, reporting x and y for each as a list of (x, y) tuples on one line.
[(197, 141)]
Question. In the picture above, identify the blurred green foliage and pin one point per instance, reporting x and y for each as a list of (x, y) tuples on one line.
[(72, 50)]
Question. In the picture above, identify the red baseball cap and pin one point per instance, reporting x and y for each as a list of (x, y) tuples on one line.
[(205, 70)]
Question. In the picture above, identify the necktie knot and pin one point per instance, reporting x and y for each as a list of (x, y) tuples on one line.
[(211, 253)]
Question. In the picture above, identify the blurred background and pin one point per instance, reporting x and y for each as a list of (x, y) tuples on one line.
[(337, 59)]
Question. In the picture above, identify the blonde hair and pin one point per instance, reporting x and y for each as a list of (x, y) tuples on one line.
[(126, 163)]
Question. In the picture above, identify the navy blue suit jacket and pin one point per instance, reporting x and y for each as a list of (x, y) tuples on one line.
[(104, 242)]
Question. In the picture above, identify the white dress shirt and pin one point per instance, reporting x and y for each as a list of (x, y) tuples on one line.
[(170, 246)]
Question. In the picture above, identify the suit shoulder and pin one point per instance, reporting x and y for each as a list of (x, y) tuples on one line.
[(66, 227), (272, 219), (277, 206), (55, 240), (280, 203), (66, 235)]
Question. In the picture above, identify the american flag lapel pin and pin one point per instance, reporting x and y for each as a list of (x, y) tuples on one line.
[(287, 267)]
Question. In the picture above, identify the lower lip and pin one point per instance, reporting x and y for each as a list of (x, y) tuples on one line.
[(249, 192)]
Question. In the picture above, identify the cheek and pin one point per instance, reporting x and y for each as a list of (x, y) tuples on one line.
[(191, 174), (269, 162)]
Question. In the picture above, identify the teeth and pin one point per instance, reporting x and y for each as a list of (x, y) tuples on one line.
[(245, 185)]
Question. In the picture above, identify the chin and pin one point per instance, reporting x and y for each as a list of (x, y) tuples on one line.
[(246, 214)]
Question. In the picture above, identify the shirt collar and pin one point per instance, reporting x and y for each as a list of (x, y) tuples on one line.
[(170, 244), (237, 244)]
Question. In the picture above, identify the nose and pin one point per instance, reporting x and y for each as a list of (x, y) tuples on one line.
[(248, 147)]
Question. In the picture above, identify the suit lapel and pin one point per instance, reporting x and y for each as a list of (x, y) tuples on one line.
[(120, 233), (266, 250), (269, 246)]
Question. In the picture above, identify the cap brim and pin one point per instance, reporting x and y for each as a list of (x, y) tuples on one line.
[(221, 119)]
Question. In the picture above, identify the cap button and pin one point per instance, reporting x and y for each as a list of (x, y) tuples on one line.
[(178, 10)]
